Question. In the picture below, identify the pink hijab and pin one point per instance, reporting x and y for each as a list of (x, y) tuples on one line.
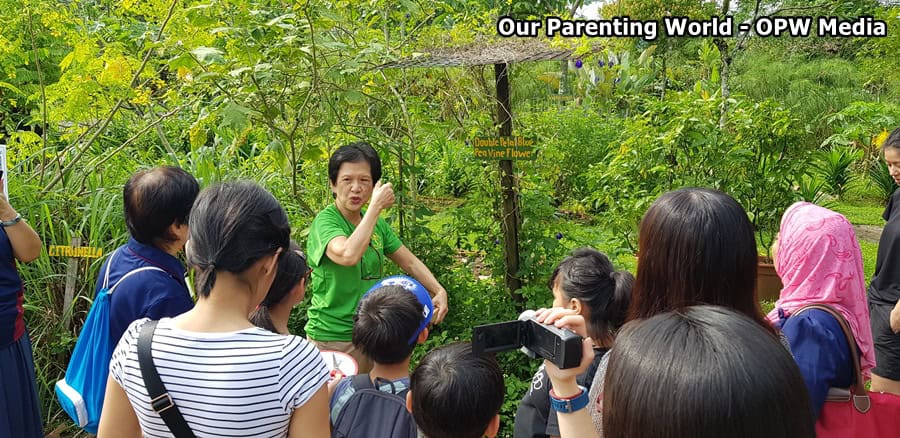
[(819, 261)]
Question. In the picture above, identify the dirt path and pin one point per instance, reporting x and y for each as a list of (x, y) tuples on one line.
[(869, 233)]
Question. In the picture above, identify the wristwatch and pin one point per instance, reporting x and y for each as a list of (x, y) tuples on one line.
[(570, 404), (12, 221)]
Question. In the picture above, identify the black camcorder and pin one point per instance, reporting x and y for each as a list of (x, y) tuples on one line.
[(560, 346)]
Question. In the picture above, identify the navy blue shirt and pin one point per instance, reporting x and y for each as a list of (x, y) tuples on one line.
[(12, 326), (146, 294), (821, 351)]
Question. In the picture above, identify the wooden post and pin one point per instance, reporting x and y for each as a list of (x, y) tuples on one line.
[(510, 209), (71, 278)]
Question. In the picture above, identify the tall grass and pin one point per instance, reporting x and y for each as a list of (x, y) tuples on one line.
[(88, 204), (58, 216), (811, 88)]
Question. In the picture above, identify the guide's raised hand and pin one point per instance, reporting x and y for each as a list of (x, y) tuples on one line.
[(382, 196)]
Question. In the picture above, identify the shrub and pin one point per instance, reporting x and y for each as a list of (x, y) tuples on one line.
[(834, 167), (882, 182)]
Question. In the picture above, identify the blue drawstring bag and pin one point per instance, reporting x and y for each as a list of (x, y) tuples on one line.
[(82, 389)]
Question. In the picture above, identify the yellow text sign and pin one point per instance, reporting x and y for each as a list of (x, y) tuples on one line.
[(504, 148), (75, 251)]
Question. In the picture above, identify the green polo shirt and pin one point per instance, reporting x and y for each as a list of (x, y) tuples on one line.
[(336, 289)]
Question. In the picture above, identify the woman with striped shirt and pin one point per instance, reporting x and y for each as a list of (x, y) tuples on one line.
[(227, 377)]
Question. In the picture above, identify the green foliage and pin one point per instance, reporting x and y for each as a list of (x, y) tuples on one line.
[(860, 213), (570, 138), (811, 88), (810, 188), (859, 124), (882, 181), (877, 57), (253, 89), (677, 142), (834, 167)]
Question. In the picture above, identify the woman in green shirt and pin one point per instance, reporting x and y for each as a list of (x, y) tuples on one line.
[(347, 246)]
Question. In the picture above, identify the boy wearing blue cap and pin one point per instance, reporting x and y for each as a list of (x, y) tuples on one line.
[(392, 318)]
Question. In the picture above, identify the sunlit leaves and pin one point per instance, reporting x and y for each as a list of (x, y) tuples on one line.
[(208, 55)]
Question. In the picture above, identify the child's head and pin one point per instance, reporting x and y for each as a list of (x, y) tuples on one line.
[(235, 226), (391, 319), (288, 287), (455, 393), (587, 282)]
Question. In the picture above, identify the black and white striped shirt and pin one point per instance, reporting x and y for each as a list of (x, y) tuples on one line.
[(237, 384)]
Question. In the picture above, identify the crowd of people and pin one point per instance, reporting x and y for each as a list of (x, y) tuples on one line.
[(681, 349)]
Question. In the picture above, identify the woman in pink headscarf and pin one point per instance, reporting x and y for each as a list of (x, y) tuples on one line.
[(819, 261)]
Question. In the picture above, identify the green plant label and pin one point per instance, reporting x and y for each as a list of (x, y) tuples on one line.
[(504, 148)]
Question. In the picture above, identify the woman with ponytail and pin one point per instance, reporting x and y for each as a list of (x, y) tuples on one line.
[(225, 376), (586, 284), (288, 290)]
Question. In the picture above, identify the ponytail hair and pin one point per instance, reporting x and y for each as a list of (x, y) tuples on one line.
[(232, 226), (589, 276), (292, 268)]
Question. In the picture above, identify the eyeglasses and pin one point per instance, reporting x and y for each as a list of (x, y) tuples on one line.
[(367, 276)]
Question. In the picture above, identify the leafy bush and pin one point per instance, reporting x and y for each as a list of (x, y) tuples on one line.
[(834, 167), (882, 181), (678, 142), (571, 139), (812, 189)]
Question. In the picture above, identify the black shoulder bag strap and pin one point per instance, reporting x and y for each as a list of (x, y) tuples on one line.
[(160, 401)]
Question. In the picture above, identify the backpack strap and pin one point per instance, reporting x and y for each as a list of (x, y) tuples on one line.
[(160, 400), (858, 394), (108, 264), (379, 382), (128, 274), (361, 381)]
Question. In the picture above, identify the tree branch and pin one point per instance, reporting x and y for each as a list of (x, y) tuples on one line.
[(62, 173)]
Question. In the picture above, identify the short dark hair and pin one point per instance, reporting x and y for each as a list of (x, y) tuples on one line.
[(233, 225), (155, 199), (589, 276), (723, 376), (696, 246), (385, 320), (456, 393), (354, 153), (893, 140), (292, 267)]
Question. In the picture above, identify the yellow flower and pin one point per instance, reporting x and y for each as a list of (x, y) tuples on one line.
[(184, 73), (879, 139), (142, 97)]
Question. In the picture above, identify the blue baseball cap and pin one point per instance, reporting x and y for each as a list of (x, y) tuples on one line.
[(418, 290)]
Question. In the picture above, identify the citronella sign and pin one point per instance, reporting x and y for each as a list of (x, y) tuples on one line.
[(75, 251), (504, 148)]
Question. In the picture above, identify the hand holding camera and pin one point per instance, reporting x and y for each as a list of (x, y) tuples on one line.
[(560, 346)]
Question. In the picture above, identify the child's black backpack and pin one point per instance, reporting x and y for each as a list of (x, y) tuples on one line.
[(373, 413)]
